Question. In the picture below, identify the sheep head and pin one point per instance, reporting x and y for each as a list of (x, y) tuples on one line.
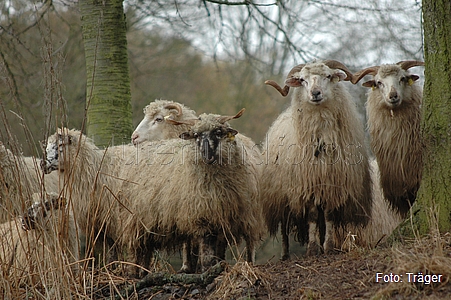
[(390, 80), (209, 131), (314, 78), (38, 210), (153, 126), (55, 150)]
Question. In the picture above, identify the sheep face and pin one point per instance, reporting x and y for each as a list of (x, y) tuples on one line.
[(54, 153), (38, 210), (154, 125), (209, 132), (314, 81), (391, 81)]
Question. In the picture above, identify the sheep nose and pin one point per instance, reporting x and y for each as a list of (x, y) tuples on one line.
[(316, 95), (135, 136), (393, 96)]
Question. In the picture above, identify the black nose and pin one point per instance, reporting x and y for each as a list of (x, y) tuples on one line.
[(316, 93)]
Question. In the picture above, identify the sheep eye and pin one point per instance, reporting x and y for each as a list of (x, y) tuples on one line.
[(159, 119), (218, 132), (196, 135), (379, 83)]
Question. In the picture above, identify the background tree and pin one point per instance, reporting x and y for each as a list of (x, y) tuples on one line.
[(434, 196), (108, 100)]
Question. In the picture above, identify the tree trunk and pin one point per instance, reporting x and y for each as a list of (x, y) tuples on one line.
[(108, 99), (435, 191)]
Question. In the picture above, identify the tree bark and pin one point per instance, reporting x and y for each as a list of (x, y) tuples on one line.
[(435, 191), (108, 99)]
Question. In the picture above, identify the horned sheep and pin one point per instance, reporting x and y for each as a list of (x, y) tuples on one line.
[(155, 127), (318, 168), (167, 120), (198, 190), (394, 116), (43, 239)]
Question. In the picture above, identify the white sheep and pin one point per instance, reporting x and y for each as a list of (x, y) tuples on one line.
[(194, 190), (20, 178), (90, 182), (43, 239), (154, 126), (394, 116), (317, 167)]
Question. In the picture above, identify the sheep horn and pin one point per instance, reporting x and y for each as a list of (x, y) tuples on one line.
[(283, 92), (223, 119), (359, 75), (175, 106), (286, 88), (334, 64), (407, 64)]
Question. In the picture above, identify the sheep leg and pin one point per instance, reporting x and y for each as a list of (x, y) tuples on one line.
[(221, 246), (285, 240), (313, 247), (250, 251), (207, 251), (329, 244), (189, 256)]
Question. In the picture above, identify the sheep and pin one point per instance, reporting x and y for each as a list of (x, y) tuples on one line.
[(198, 190), (20, 177), (90, 182), (394, 116), (158, 124), (154, 126), (317, 169), (43, 239)]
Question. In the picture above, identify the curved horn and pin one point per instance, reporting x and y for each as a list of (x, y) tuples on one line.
[(284, 91), (360, 74), (175, 106), (407, 64), (223, 119), (334, 64)]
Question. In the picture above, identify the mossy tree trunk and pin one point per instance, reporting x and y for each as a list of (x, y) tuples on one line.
[(435, 191), (108, 99)]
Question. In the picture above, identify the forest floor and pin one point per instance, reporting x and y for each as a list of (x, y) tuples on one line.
[(355, 274)]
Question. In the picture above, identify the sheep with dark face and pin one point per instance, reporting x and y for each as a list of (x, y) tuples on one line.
[(394, 116), (204, 192), (318, 168)]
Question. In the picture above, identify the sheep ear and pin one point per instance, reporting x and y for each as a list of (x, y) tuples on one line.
[(231, 132), (293, 82), (369, 84), (339, 75), (186, 135), (412, 78)]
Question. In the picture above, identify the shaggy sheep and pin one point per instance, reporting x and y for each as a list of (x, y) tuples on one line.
[(160, 123), (20, 177), (318, 168), (90, 182), (43, 239), (394, 115), (197, 190), (155, 127)]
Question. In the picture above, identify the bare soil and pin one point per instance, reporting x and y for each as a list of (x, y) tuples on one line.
[(350, 275)]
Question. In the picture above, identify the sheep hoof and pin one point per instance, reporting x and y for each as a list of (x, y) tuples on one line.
[(285, 257), (329, 248), (313, 249), (185, 270)]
